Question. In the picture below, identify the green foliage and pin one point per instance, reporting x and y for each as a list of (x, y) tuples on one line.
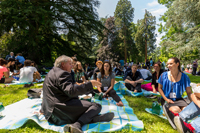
[(146, 32), (38, 25), (181, 28), (124, 14)]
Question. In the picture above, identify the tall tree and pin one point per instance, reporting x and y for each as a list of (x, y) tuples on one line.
[(145, 34), (124, 14), (108, 47), (37, 26), (182, 28)]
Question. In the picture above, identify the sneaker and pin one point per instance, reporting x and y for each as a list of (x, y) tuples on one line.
[(170, 116), (183, 127), (103, 118), (70, 128)]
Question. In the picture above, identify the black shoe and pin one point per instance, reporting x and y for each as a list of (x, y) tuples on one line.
[(181, 127), (70, 128), (170, 116), (103, 118)]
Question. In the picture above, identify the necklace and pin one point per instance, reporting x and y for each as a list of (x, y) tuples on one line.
[(172, 86)]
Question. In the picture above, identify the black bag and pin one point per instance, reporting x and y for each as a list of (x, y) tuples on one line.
[(34, 93)]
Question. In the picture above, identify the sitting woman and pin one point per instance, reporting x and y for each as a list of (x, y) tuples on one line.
[(97, 70), (172, 85), (28, 73), (107, 78), (4, 72), (133, 79), (153, 86), (79, 73)]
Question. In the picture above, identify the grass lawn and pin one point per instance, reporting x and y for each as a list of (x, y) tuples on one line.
[(152, 123)]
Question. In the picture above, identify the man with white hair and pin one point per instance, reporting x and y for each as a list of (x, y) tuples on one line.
[(60, 103), (11, 55)]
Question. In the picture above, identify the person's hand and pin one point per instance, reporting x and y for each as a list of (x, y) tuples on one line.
[(169, 101), (134, 83), (154, 91), (95, 83)]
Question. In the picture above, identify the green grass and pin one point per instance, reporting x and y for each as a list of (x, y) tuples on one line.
[(152, 123)]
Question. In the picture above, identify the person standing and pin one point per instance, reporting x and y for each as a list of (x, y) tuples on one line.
[(195, 65), (182, 67)]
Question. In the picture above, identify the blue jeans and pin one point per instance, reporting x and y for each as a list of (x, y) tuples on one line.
[(192, 111)]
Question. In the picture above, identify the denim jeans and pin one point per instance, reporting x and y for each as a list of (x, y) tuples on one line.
[(191, 112)]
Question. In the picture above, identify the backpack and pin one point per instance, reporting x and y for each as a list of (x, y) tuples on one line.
[(34, 93)]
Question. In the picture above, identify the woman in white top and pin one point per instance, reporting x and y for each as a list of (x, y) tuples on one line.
[(28, 73)]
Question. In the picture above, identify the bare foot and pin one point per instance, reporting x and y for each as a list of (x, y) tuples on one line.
[(135, 91), (120, 103)]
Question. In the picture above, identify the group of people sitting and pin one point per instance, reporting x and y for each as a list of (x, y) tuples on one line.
[(66, 81), (26, 70)]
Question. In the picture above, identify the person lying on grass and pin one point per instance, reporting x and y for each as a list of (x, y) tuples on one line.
[(4, 72), (133, 79), (172, 85), (28, 73), (107, 78), (61, 105)]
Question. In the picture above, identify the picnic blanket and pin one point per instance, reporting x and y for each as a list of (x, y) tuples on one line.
[(161, 115), (19, 83), (186, 72), (20, 112), (120, 87)]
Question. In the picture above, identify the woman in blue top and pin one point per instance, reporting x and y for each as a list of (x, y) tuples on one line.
[(172, 84)]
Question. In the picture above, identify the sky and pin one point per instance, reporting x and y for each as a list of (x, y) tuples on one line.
[(107, 8)]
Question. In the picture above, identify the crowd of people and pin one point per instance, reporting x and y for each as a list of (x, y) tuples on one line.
[(68, 79), (17, 68)]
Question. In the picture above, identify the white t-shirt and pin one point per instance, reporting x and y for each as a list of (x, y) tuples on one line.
[(145, 73), (190, 66), (26, 74)]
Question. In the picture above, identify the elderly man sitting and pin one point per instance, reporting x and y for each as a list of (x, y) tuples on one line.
[(60, 99)]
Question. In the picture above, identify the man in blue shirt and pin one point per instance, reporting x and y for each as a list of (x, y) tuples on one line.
[(20, 60), (122, 63)]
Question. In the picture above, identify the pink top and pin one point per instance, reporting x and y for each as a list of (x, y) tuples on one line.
[(2, 70)]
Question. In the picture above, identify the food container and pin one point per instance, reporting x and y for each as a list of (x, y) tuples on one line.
[(196, 89), (86, 97)]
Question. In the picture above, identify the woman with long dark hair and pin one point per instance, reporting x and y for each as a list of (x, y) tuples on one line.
[(153, 86), (107, 78), (172, 85)]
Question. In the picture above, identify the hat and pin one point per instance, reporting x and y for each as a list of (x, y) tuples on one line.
[(99, 61)]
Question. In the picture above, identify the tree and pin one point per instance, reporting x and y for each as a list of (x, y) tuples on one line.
[(182, 29), (38, 24), (108, 47), (145, 36), (124, 14)]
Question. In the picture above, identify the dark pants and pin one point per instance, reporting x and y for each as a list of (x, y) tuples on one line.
[(194, 70), (78, 110), (112, 93), (131, 87)]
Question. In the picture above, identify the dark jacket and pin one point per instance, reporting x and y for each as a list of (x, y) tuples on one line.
[(137, 75), (58, 90), (154, 78)]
